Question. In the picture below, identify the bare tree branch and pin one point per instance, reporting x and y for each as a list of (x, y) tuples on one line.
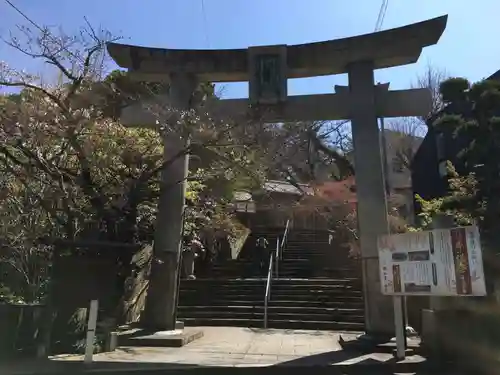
[(431, 79)]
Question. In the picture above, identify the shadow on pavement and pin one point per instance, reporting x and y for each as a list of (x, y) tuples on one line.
[(346, 361), (267, 331), (102, 367), (357, 362), (318, 364)]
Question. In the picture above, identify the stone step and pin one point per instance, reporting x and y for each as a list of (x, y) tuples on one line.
[(301, 272), (304, 255), (300, 255), (308, 251), (258, 298), (261, 282), (250, 262), (315, 276), (318, 264), (307, 245), (316, 290), (304, 251), (275, 308), (312, 249), (259, 315), (312, 273), (292, 289), (282, 301), (307, 295), (306, 274), (258, 295), (277, 283), (342, 303), (290, 324), (285, 261), (324, 268)]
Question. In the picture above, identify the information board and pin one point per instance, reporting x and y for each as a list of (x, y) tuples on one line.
[(442, 262)]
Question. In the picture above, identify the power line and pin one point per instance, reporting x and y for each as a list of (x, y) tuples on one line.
[(403, 306), (205, 22), (41, 29), (23, 15), (381, 15)]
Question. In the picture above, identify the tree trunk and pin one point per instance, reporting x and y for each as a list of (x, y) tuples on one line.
[(135, 287)]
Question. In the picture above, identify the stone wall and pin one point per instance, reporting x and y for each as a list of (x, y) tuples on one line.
[(414, 307), (238, 242), (136, 286), (80, 279), (19, 329), (77, 280), (471, 335)]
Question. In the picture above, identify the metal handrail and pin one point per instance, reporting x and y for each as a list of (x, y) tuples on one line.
[(276, 255), (274, 259), (284, 238), (269, 281), (281, 247)]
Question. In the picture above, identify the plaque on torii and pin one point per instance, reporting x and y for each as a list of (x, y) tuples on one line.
[(267, 82), (267, 70)]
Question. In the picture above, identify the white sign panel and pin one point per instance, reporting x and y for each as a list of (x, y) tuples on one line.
[(442, 262)]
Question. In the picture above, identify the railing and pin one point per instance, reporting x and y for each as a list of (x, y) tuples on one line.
[(274, 259), (281, 247), (270, 280)]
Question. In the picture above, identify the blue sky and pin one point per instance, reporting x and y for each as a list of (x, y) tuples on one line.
[(468, 47)]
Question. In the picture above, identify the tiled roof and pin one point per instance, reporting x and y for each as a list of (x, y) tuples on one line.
[(274, 186)]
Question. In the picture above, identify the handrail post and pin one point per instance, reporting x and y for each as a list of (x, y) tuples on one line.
[(265, 313), (276, 253), (268, 287), (274, 257)]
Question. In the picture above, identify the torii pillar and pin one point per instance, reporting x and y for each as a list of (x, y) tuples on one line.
[(169, 218), (370, 190), (267, 69)]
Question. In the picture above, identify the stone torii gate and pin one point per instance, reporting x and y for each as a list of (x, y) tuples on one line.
[(267, 69)]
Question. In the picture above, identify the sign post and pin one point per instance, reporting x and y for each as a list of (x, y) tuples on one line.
[(399, 327), (92, 324), (441, 262)]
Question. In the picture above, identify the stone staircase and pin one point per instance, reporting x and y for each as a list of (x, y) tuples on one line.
[(317, 288)]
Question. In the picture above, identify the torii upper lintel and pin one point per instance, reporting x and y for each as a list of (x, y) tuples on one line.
[(388, 48)]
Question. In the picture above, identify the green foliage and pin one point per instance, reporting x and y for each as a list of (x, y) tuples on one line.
[(458, 204), (6, 295), (471, 118), (70, 170), (454, 89)]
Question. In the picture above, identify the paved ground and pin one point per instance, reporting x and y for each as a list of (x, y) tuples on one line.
[(232, 347)]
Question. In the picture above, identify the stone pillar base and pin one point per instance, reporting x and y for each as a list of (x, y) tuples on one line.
[(379, 309), (430, 340)]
